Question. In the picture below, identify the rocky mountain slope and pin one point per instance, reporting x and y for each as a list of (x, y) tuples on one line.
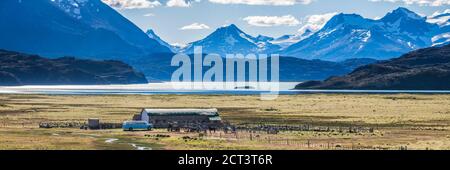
[(23, 69), (56, 28), (424, 69)]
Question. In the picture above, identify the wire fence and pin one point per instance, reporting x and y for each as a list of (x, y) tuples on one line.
[(295, 143)]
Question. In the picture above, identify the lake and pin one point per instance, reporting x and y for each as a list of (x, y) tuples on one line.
[(188, 88)]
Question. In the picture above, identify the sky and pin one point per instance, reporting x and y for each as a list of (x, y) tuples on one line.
[(185, 21)]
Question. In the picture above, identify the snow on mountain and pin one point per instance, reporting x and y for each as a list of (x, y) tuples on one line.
[(443, 20), (404, 21), (348, 36), (151, 34), (441, 39), (85, 28), (176, 47), (71, 7), (287, 40), (264, 38), (231, 40)]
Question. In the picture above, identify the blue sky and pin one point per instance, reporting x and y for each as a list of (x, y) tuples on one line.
[(184, 21)]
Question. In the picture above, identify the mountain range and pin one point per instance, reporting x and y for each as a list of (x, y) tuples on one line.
[(232, 40), (352, 36), (91, 29), (424, 69), (85, 28), (344, 36)]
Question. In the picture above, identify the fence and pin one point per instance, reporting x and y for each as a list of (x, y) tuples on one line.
[(79, 125), (259, 137), (277, 128)]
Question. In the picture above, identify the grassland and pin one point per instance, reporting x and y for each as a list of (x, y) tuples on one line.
[(399, 121)]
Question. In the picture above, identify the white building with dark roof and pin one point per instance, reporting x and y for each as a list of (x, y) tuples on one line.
[(164, 118)]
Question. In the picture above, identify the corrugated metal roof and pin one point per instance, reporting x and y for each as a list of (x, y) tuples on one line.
[(206, 112), (215, 118)]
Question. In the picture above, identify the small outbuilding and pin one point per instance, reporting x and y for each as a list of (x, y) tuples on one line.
[(166, 118), (94, 123)]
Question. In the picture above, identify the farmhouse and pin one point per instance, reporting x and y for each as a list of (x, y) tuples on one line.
[(164, 118)]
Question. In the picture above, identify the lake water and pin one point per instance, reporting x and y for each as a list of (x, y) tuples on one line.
[(188, 88)]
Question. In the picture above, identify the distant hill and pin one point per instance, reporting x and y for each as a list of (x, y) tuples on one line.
[(23, 69), (55, 28), (157, 68), (424, 69)]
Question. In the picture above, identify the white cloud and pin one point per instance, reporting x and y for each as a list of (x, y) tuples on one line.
[(178, 3), (268, 21), (195, 26), (263, 2), (418, 2), (149, 15), (132, 4), (315, 22)]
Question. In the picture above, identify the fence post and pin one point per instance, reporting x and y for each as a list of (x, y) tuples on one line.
[(308, 143)]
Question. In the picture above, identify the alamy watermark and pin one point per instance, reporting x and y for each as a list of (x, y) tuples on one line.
[(233, 71)]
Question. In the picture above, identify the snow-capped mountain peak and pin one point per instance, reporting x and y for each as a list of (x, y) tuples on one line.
[(347, 20), (307, 32), (229, 29), (152, 35), (403, 20), (230, 40), (402, 13), (230, 26)]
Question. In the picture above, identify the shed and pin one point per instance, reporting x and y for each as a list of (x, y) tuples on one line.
[(94, 123), (163, 118)]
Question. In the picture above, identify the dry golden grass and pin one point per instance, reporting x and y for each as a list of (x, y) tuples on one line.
[(415, 121)]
